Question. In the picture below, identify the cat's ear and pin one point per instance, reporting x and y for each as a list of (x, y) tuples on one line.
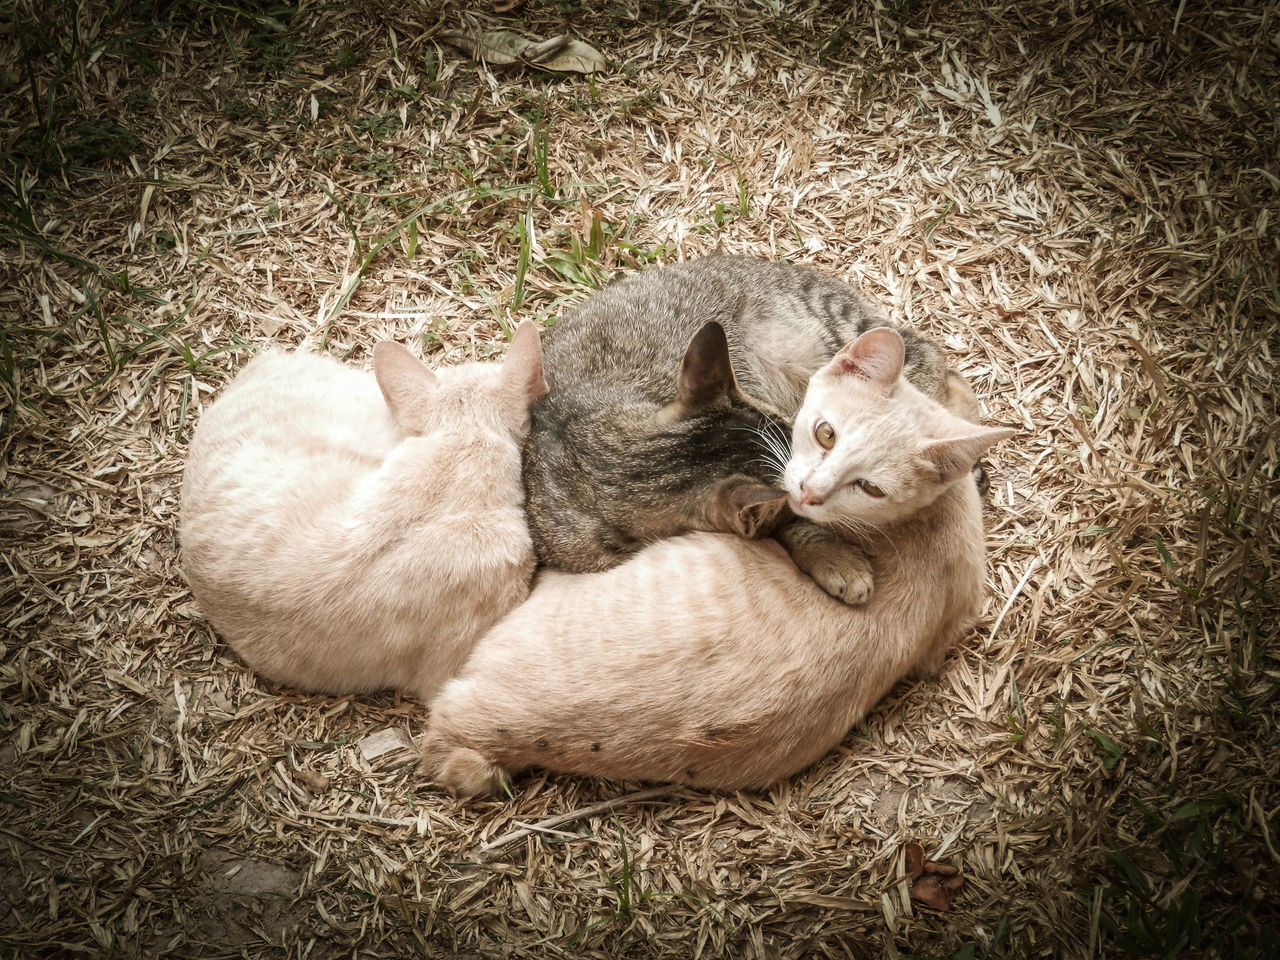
[(747, 507), (405, 381), (760, 509), (522, 368), (956, 455), (961, 400), (706, 374), (875, 356)]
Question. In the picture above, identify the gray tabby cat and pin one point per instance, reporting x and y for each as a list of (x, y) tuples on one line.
[(671, 393)]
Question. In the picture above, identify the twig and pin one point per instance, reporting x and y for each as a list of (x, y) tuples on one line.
[(360, 818), (547, 830), (1035, 562), (35, 845), (603, 807)]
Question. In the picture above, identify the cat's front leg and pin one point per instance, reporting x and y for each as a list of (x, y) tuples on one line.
[(837, 565)]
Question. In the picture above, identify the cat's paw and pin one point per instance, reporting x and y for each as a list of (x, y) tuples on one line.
[(839, 567), (848, 578)]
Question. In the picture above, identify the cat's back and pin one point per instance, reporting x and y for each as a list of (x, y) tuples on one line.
[(282, 394), (290, 412), (695, 596), (783, 321), (289, 437), (705, 659)]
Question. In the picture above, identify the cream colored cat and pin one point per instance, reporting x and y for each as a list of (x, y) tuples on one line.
[(347, 532), (711, 660)]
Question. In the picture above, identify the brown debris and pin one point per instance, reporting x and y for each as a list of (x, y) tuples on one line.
[(933, 884)]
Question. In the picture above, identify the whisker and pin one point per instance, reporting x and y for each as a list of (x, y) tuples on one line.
[(865, 529), (775, 452), (772, 471)]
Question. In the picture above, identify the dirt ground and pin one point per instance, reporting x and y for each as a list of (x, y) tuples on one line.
[(1080, 201)]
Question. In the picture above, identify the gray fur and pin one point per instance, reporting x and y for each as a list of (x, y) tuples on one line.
[(613, 461)]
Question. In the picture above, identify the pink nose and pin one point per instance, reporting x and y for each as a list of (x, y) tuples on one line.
[(808, 498)]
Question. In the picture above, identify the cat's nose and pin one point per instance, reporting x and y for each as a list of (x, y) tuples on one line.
[(808, 498)]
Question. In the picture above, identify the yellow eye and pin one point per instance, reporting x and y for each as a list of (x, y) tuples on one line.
[(825, 434), (870, 489)]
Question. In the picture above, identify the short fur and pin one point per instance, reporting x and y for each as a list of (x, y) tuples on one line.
[(346, 531), (711, 660), (653, 419)]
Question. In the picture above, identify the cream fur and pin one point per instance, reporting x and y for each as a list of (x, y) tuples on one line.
[(345, 540), (713, 661)]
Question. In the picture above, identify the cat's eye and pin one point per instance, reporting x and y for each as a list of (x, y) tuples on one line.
[(825, 434), (870, 489)]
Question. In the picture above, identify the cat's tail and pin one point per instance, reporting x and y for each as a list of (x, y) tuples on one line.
[(461, 770)]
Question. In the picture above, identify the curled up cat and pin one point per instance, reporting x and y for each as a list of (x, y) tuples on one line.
[(711, 660), (668, 389), (347, 531)]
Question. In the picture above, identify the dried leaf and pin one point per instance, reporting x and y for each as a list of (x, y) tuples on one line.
[(501, 47), (497, 47), (935, 884), (383, 742), (929, 891), (507, 6), (573, 57), (915, 859)]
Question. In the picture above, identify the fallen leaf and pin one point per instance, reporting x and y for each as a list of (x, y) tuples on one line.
[(915, 859), (932, 892), (935, 884), (574, 57), (834, 903), (382, 742), (502, 47), (506, 6)]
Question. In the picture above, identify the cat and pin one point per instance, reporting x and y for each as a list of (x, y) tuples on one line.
[(711, 660), (347, 532), (667, 390)]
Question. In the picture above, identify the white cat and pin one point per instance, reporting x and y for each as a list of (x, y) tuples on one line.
[(346, 532), (712, 660)]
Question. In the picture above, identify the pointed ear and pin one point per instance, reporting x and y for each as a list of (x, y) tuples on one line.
[(876, 356), (954, 456), (522, 368), (706, 374), (760, 508), (961, 400), (405, 381), (746, 507)]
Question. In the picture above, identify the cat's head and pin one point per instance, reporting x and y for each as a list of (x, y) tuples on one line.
[(722, 439), (489, 395), (868, 447), (696, 462)]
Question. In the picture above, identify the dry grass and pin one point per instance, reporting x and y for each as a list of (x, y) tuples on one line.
[(1081, 203)]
